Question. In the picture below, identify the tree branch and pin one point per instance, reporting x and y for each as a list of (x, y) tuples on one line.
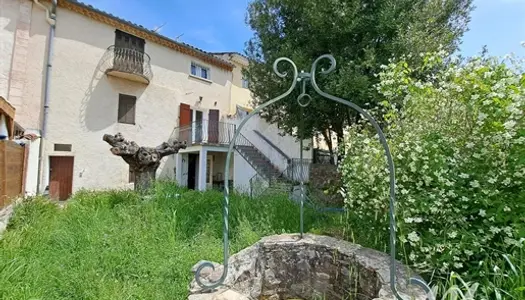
[(170, 148), (120, 145)]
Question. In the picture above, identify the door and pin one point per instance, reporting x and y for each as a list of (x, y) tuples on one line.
[(213, 126), (60, 177), (198, 126), (185, 123), (192, 170), (129, 52)]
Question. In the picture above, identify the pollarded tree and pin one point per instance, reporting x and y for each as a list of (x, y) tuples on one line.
[(143, 161)]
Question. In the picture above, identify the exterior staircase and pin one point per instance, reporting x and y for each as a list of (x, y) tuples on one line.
[(275, 179), (259, 162)]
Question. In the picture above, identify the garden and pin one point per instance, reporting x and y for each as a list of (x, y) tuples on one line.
[(456, 129)]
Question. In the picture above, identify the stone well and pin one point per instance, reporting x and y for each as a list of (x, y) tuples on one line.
[(314, 267)]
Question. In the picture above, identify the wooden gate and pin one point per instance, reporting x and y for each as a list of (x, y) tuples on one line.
[(61, 177), (13, 159)]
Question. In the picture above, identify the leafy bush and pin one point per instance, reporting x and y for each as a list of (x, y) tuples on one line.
[(457, 133)]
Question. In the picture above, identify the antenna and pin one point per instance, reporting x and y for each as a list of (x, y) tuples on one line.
[(158, 28)]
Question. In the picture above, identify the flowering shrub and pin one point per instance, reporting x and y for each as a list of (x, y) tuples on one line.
[(457, 135)]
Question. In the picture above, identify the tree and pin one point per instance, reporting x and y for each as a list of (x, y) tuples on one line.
[(143, 161), (361, 34)]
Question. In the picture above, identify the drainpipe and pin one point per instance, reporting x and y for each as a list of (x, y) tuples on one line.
[(51, 19)]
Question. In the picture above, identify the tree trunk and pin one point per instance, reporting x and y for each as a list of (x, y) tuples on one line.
[(340, 144), (143, 161), (327, 135), (145, 179)]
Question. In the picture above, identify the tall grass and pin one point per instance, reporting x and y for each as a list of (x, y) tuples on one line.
[(116, 245)]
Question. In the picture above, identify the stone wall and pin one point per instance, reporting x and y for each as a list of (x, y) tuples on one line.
[(290, 267)]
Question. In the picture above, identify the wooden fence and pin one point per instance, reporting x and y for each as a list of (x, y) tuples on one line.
[(13, 158)]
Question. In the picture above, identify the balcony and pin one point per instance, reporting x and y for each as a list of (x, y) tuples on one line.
[(205, 133), (128, 64)]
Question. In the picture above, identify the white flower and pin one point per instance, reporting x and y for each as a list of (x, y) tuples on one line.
[(506, 181), (470, 145), (509, 124), (492, 180), (409, 220), (508, 230), (458, 265), (482, 116), (469, 253), (474, 184), (413, 237), (452, 234), (494, 230), (475, 97), (463, 175), (506, 208), (412, 256), (482, 213)]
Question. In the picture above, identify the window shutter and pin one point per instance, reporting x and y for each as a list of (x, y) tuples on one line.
[(126, 109)]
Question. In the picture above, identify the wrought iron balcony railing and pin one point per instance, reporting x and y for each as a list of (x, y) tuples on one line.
[(204, 132), (128, 63)]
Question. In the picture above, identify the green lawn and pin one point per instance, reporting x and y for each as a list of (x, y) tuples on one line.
[(115, 245)]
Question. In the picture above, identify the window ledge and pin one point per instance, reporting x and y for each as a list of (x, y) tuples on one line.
[(200, 78)]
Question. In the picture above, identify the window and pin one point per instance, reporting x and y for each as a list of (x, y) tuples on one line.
[(128, 41), (63, 147), (200, 71), (126, 109), (244, 83)]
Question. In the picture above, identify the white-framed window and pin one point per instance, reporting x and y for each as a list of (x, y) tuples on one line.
[(200, 71), (245, 82)]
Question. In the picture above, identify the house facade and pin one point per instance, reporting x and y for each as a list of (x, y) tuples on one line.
[(75, 73)]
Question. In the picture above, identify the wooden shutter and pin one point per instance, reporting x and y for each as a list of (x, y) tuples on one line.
[(129, 41), (184, 123), (126, 109), (213, 126), (184, 115)]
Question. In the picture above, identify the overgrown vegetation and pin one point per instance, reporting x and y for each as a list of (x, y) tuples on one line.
[(457, 133), (116, 245), (361, 34)]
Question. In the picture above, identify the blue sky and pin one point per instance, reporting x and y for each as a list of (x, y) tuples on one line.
[(219, 25)]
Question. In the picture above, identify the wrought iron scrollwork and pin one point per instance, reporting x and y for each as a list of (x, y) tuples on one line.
[(304, 100), (226, 241)]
